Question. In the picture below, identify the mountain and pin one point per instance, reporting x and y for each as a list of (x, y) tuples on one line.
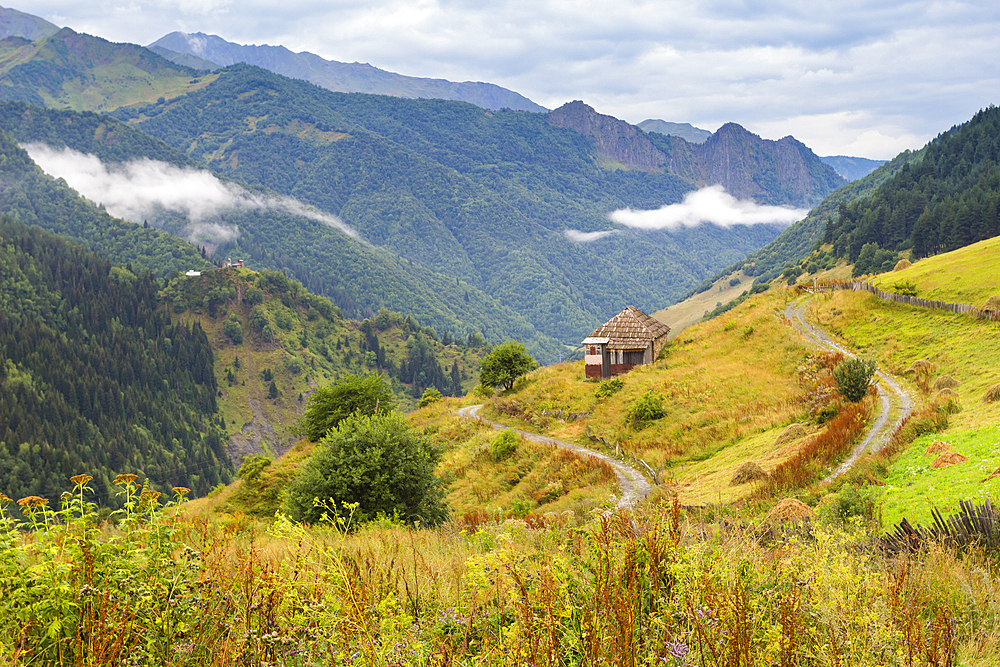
[(18, 24), (338, 76), (95, 377), (852, 168), (75, 71), (685, 131), (496, 200), (185, 59), (783, 172)]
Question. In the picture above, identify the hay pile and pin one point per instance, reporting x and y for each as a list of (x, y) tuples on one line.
[(992, 303), (793, 433), (948, 459), (789, 509), (920, 366), (945, 382), (902, 264), (992, 394), (746, 473), (993, 475), (937, 448), (947, 394)]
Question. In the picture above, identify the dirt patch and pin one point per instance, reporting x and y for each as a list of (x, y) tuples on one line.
[(789, 509), (937, 447), (949, 459), (793, 433), (746, 473)]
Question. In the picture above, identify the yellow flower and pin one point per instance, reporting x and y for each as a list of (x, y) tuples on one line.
[(32, 501), (126, 479), (80, 479)]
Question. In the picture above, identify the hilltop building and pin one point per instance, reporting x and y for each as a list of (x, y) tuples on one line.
[(629, 339)]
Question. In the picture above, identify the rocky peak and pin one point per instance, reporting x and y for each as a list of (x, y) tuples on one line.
[(613, 139)]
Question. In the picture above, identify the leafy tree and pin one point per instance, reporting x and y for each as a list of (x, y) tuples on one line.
[(331, 404), (233, 329), (376, 461), (853, 377), (507, 362)]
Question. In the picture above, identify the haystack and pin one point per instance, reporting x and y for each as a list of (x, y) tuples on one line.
[(992, 394), (948, 459), (945, 382), (791, 434), (992, 475), (789, 509), (947, 395), (746, 473), (992, 303), (902, 264), (936, 448), (920, 366)]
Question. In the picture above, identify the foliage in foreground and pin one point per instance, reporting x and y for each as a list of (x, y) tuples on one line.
[(649, 587)]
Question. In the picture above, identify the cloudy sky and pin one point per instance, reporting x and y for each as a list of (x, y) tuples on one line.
[(847, 78)]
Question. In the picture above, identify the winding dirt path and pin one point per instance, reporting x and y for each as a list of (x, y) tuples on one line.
[(634, 487), (896, 401)]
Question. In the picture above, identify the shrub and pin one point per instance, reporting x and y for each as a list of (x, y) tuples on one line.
[(233, 329), (376, 461), (331, 404), (609, 388), (853, 377), (648, 408), (503, 445), (431, 395)]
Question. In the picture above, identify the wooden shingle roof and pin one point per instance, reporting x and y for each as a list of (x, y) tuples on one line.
[(631, 329)]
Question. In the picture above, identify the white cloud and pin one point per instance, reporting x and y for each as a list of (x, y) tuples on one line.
[(135, 190), (576, 236), (708, 205)]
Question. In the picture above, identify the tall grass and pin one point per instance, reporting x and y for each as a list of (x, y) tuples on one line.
[(646, 588)]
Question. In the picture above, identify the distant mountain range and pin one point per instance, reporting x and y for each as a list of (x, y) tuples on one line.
[(852, 168), (685, 131), (215, 52)]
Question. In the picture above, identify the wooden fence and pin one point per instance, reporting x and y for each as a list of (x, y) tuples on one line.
[(861, 286)]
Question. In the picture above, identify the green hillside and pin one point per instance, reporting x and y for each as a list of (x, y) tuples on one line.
[(95, 376), (485, 197), (76, 71)]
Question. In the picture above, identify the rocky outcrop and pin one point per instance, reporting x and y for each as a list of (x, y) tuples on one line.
[(614, 139)]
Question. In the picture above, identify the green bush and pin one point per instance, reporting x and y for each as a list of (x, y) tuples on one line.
[(503, 445), (331, 404), (431, 395), (233, 329), (853, 377), (609, 388), (648, 408), (504, 364)]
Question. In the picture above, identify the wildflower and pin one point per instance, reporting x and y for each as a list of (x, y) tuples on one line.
[(181, 490), (4, 498), (126, 479), (32, 502), (81, 479), (65, 497), (149, 494)]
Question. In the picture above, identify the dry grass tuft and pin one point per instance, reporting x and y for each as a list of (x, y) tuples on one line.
[(937, 447), (946, 395), (789, 509), (902, 264), (992, 475), (949, 459), (945, 382), (791, 434), (748, 472), (992, 303), (920, 366), (992, 394)]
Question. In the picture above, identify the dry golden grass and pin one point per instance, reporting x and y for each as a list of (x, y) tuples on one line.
[(946, 382), (793, 433), (992, 303), (937, 447), (789, 509), (948, 459), (748, 472), (902, 264), (992, 394)]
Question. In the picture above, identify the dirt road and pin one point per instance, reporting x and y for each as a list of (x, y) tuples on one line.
[(634, 486), (893, 399)]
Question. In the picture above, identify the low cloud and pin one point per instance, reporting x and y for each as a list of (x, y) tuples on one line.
[(576, 236), (708, 205), (136, 190)]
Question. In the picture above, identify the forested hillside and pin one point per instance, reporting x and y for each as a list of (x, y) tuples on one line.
[(95, 377), (484, 197), (948, 200), (34, 198)]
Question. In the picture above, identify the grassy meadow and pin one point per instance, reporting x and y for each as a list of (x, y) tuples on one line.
[(532, 569)]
